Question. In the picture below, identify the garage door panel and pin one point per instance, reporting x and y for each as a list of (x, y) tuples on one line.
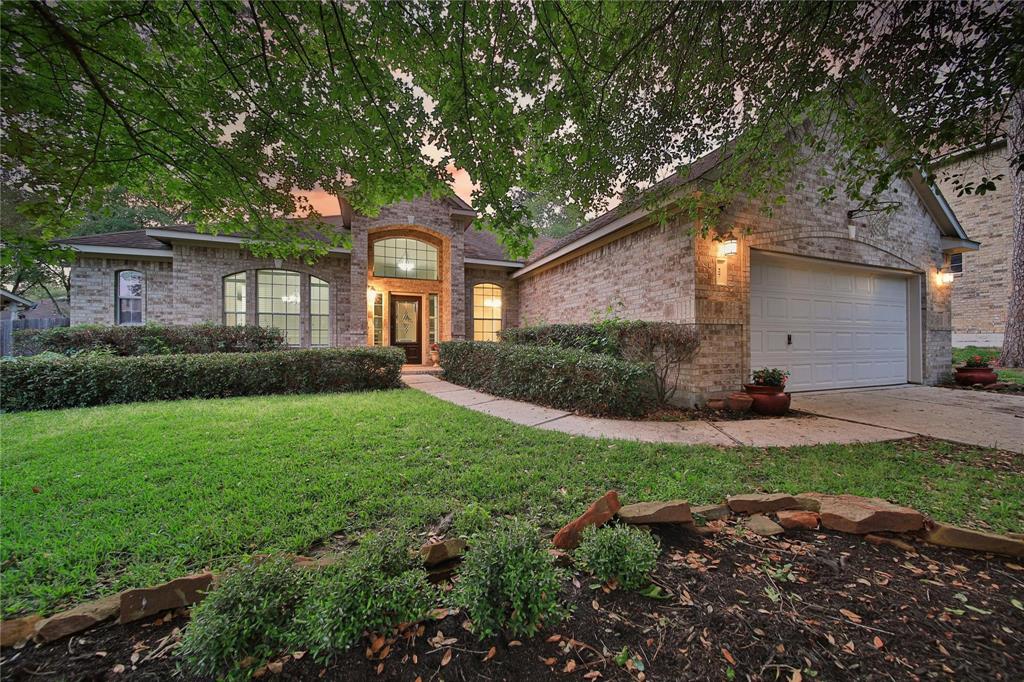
[(830, 326)]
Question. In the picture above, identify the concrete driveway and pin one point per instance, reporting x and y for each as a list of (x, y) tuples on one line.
[(972, 417)]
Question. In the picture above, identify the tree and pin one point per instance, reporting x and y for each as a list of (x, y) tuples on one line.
[(1012, 354), (228, 106)]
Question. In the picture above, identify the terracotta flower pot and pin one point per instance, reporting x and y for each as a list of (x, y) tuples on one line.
[(739, 402), (715, 404), (435, 357), (770, 401), (968, 376)]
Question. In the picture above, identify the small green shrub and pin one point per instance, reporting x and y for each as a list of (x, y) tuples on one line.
[(507, 581), (567, 379), (472, 519), (376, 587), (619, 552), (249, 613), (45, 383), (593, 338), (150, 339)]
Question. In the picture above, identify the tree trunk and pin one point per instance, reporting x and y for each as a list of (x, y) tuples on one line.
[(1013, 340)]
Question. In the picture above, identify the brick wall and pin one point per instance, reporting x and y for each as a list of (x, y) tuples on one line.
[(981, 293), (647, 275), (93, 288)]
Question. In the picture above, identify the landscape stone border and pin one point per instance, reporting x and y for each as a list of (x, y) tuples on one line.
[(865, 516)]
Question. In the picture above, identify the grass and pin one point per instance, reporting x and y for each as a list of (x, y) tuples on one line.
[(133, 494), (1013, 376)]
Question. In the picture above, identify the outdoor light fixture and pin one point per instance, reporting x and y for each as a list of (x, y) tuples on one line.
[(371, 295), (946, 276), (727, 248)]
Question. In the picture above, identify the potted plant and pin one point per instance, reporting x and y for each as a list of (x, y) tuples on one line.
[(975, 371), (767, 391), (435, 354)]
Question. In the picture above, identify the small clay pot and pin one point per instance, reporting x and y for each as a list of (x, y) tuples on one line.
[(715, 404), (739, 402), (969, 376), (770, 401)]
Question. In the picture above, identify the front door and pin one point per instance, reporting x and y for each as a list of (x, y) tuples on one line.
[(405, 327)]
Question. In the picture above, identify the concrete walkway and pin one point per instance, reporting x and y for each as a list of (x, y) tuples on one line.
[(973, 417), (783, 432)]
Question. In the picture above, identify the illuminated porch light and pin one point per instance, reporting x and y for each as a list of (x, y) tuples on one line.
[(727, 248), (371, 295), (946, 276)]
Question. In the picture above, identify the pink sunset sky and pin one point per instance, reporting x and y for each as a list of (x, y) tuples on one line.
[(327, 204)]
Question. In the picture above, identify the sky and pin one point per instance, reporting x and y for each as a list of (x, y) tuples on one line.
[(327, 204)]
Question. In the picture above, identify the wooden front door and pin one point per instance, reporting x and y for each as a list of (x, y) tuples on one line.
[(406, 327)]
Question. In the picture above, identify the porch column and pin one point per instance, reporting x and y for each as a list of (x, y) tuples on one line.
[(355, 335)]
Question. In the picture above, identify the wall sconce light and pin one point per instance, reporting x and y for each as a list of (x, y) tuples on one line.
[(371, 295), (727, 248), (946, 276), (278, 263)]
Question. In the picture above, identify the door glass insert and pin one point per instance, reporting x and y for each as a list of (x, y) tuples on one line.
[(407, 313)]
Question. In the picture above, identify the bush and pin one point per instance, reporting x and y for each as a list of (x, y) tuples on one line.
[(666, 346), (472, 519), (249, 613), (149, 339), (568, 379), (619, 552), (90, 379), (507, 582), (376, 587)]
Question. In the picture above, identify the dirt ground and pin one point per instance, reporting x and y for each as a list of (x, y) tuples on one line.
[(806, 606)]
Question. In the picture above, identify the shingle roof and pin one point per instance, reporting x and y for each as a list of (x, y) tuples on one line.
[(129, 239)]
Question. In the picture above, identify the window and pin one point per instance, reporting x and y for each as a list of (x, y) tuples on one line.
[(432, 318), (319, 312), (278, 303), (956, 263), (486, 312), (378, 319), (234, 300), (129, 297), (404, 258)]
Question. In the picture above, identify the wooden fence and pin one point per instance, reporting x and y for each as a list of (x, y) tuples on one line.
[(8, 327)]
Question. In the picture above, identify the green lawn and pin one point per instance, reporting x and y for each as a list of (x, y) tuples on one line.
[(129, 495)]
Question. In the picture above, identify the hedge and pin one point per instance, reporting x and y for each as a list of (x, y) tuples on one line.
[(47, 383), (599, 337), (149, 339), (590, 383)]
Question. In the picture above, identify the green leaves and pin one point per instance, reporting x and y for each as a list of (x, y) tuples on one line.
[(621, 553)]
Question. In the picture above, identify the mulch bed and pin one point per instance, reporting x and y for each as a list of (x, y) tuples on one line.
[(809, 605), (1000, 387)]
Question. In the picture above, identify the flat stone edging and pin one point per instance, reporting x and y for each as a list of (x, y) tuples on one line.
[(780, 432)]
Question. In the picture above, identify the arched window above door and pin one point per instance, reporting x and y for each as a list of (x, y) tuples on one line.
[(404, 258)]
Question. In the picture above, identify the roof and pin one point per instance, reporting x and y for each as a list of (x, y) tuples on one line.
[(129, 239), (15, 298)]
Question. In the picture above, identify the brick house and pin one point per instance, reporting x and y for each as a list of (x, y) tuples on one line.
[(839, 302), (981, 292)]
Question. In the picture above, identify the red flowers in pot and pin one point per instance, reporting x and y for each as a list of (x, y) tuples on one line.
[(767, 391), (975, 371)]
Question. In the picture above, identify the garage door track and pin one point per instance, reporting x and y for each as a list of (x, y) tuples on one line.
[(973, 417)]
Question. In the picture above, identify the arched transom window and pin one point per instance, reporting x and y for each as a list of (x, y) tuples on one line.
[(404, 258), (486, 312)]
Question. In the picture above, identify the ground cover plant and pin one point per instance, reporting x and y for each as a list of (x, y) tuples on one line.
[(621, 553), (99, 499), (507, 581), (92, 378)]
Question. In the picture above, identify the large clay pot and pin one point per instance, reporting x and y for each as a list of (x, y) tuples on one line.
[(770, 401), (739, 402), (968, 376)]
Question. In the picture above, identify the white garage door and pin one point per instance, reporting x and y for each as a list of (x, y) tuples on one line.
[(830, 326)]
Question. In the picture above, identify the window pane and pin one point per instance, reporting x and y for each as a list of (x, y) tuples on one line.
[(432, 322), (128, 292), (278, 302), (404, 258), (486, 312), (319, 312), (234, 299), (378, 320)]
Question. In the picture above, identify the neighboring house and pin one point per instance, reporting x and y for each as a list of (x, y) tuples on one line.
[(13, 306), (981, 292), (840, 303)]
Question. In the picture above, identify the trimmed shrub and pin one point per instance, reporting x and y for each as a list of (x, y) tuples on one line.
[(249, 613), (619, 552), (575, 380), (149, 339), (373, 589), (507, 582), (92, 379), (594, 338)]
